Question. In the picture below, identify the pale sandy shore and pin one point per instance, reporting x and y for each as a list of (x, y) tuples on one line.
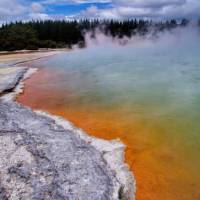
[(46, 157), (16, 57)]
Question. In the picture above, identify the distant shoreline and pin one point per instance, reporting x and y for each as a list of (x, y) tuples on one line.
[(14, 58), (31, 51)]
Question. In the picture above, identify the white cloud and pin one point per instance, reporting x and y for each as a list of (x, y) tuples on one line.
[(157, 9), (67, 2), (37, 11), (36, 7), (11, 10), (149, 3), (39, 16)]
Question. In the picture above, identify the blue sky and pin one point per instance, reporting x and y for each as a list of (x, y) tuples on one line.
[(73, 8), (12, 10)]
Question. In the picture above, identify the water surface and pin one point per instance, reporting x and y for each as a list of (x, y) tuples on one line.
[(147, 94)]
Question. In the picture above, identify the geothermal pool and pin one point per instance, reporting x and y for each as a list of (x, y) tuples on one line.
[(146, 93)]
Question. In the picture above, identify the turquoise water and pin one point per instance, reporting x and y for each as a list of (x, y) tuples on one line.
[(146, 93)]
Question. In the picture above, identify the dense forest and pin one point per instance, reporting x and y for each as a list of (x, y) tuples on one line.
[(58, 34)]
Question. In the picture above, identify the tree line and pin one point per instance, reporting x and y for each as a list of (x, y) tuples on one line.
[(58, 34)]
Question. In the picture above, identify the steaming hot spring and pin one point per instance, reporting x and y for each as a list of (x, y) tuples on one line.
[(146, 93)]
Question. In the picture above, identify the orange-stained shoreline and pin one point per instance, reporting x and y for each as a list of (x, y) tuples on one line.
[(72, 116)]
